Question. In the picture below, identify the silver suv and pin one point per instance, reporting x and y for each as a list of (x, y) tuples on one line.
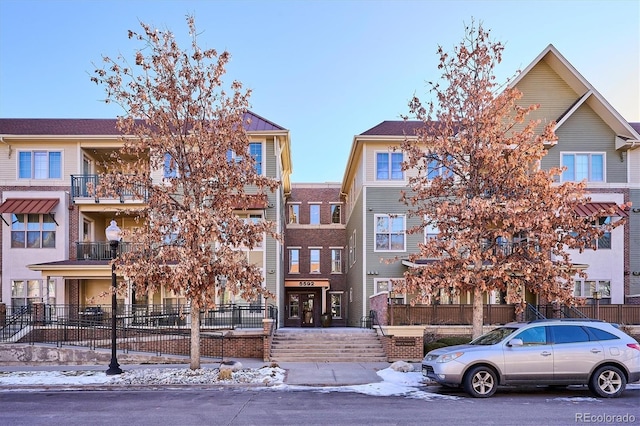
[(542, 352)]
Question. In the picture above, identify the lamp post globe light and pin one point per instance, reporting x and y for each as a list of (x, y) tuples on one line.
[(113, 235)]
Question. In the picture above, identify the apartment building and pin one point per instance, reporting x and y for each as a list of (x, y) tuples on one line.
[(54, 248), (343, 242), (315, 280), (594, 143)]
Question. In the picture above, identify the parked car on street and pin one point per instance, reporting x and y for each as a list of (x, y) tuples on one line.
[(541, 352)]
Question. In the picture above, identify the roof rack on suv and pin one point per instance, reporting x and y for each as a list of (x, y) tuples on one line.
[(566, 320)]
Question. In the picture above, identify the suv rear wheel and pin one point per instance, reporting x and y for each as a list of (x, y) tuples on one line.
[(480, 382), (608, 382)]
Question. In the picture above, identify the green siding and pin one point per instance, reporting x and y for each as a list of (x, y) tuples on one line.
[(585, 131), (354, 272), (387, 264)]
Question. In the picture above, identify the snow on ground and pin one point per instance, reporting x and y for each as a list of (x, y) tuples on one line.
[(394, 383)]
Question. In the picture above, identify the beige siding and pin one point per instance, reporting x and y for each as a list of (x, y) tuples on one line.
[(369, 153), (9, 171)]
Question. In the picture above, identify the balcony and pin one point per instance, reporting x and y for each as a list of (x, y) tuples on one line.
[(508, 248), (83, 189), (100, 250)]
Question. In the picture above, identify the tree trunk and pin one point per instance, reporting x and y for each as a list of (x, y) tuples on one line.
[(478, 316), (195, 338)]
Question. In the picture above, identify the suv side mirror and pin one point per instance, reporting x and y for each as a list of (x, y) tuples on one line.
[(515, 342)]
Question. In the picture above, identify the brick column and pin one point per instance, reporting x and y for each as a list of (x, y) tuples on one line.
[(268, 325)]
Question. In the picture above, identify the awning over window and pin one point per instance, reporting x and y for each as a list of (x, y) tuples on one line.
[(29, 205), (595, 209)]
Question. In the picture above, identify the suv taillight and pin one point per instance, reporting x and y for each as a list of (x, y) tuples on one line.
[(634, 346)]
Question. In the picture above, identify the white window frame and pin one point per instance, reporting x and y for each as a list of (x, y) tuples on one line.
[(313, 216), (294, 216), (297, 250), (589, 177), (341, 295), (313, 250), (352, 248), (434, 167), (585, 288), (41, 230), (391, 218), (336, 263), (33, 173), (339, 207), (384, 285), (232, 156), (389, 172), (42, 292)]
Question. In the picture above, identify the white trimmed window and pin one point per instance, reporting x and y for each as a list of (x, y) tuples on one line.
[(436, 168), (314, 214), (33, 231), (314, 261), (336, 304), (588, 288), (335, 213), (336, 260), (255, 151), (389, 166), (583, 166), (40, 165), (294, 213), (390, 232), (294, 261), (26, 292), (385, 285)]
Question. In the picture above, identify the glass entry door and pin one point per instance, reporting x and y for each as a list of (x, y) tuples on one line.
[(308, 311), (303, 309)]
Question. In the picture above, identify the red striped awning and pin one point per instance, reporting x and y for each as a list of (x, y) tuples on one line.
[(600, 209), (29, 205)]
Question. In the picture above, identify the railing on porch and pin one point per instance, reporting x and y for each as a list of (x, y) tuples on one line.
[(502, 314), (100, 250), (83, 187)]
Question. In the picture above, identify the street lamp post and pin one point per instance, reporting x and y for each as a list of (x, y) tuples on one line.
[(113, 235)]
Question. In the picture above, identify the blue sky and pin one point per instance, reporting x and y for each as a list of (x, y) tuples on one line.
[(325, 70)]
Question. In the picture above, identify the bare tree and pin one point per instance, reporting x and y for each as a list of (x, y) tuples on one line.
[(181, 122), (502, 223)]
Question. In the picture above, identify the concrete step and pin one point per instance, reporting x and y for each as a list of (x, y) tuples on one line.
[(326, 345)]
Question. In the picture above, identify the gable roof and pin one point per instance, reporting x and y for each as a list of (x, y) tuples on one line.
[(394, 128), (587, 94), (97, 126)]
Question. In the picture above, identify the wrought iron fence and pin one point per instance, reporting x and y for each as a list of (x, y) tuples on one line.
[(161, 329)]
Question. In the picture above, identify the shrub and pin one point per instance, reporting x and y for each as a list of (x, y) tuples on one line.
[(444, 342)]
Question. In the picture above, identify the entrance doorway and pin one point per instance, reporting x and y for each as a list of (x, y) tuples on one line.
[(303, 308)]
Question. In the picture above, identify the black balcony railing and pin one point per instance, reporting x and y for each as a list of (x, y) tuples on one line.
[(101, 250), (83, 187), (508, 248)]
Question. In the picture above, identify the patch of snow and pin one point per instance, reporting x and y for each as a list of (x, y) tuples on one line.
[(575, 399)]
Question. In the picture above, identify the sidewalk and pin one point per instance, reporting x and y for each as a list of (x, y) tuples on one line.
[(297, 373)]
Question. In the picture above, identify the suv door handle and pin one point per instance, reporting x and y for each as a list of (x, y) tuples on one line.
[(595, 351), (545, 353)]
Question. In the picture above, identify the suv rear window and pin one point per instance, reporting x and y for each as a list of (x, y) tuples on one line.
[(569, 334), (601, 334)]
